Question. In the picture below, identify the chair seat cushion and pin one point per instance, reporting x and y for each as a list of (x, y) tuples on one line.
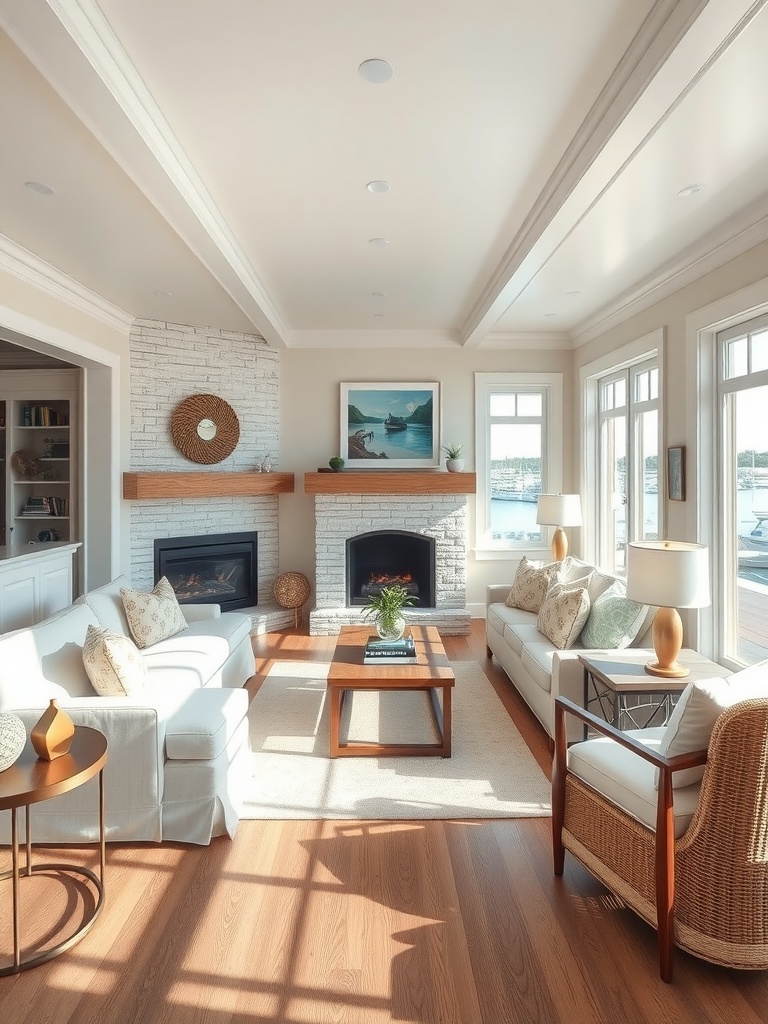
[(627, 780), (205, 723)]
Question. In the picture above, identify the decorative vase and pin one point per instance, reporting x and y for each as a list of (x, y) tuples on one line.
[(266, 464), (13, 736), (454, 465), (395, 630), (52, 735)]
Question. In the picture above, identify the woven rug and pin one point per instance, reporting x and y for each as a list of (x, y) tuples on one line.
[(491, 773)]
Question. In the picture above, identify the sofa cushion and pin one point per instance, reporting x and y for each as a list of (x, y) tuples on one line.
[(204, 724), (519, 634), (537, 662), (113, 663), (153, 616), (613, 620), (197, 654), (573, 569), (701, 703), (107, 605), (563, 613), (627, 780), (530, 584)]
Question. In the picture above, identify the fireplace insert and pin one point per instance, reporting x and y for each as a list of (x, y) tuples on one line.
[(383, 557), (215, 569)]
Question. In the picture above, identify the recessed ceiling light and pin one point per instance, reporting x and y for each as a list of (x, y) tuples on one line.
[(573, 291), (378, 186), (378, 295), (162, 294), (39, 187), (379, 316), (378, 243), (550, 314), (690, 190), (375, 70)]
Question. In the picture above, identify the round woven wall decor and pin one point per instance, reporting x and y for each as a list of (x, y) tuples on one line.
[(205, 428), (291, 590), (26, 464)]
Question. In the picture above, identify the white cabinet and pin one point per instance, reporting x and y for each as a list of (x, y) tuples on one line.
[(41, 466), (35, 583)]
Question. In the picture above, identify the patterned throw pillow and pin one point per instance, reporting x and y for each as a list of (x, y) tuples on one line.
[(614, 620), (113, 663), (530, 584), (152, 617), (563, 613)]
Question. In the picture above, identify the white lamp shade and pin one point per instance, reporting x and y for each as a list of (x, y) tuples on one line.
[(668, 574), (559, 510)]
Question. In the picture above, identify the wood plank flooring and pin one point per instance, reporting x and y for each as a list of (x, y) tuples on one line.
[(304, 922)]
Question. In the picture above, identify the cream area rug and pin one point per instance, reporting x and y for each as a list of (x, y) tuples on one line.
[(491, 773)]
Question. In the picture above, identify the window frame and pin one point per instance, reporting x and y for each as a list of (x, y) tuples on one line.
[(486, 385)]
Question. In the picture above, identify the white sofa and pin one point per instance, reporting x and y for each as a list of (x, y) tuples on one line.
[(178, 750), (539, 671)]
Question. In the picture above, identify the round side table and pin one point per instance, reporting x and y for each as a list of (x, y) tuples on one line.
[(30, 781)]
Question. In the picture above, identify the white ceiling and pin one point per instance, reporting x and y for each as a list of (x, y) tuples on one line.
[(219, 152)]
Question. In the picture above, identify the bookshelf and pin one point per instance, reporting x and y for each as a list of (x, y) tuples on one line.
[(41, 465)]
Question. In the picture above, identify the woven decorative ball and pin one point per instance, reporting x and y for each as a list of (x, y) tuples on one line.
[(13, 736), (291, 591)]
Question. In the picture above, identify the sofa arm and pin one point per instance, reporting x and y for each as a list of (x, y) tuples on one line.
[(497, 593), (200, 612)]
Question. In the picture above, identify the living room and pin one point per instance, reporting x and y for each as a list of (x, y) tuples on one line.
[(303, 920)]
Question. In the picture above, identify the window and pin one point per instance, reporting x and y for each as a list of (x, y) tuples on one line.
[(628, 474), (742, 360), (519, 455)]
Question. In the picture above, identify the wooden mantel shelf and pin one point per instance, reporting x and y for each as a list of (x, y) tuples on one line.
[(390, 481), (204, 485)]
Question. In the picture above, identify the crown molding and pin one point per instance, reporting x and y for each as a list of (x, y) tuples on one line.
[(94, 37), (30, 269), (740, 234), (552, 341)]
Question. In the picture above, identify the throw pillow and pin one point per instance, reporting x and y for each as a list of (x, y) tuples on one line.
[(613, 620), (113, 663), (530, 584), (691, 723), (563, 613), (154, 616)]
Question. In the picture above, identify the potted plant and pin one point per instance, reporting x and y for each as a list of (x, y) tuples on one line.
[(454, 463), (336, 463), (386, 609)]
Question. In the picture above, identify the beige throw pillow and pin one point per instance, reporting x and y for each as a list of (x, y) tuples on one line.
[(113, 663), (563, 612), (154, 616), (530, 584)]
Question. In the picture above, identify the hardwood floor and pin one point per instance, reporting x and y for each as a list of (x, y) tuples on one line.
[(303, 922)]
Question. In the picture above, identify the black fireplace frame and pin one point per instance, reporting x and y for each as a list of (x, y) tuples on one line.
[(217, 544), (427, 583)]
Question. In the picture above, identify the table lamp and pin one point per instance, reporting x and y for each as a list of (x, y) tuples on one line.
[(670, 574), (559, 510)]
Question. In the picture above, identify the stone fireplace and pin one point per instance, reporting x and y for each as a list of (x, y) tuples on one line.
[(219, 568), (384, 557), (342, 520)]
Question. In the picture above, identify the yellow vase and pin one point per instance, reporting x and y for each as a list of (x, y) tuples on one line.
[(52, 735)]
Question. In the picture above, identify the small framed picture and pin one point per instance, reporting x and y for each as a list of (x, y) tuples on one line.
[(676, 473)]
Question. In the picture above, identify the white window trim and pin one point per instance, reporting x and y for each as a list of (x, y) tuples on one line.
[(638, 351), (486, 383), (701, 329)]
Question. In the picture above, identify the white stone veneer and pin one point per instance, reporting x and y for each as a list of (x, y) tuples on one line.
[(342, 516)]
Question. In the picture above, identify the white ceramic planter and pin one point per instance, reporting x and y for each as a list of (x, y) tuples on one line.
[(454, 465)]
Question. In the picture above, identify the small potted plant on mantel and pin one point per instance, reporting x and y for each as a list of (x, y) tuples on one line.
[(386, 609), (454, 463)]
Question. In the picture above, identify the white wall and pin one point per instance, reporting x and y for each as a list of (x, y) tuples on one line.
[(309, 426)]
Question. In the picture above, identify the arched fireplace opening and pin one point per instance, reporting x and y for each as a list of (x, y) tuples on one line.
[(390, 556)]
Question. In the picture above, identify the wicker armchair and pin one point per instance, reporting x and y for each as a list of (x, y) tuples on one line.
[(706, 891)]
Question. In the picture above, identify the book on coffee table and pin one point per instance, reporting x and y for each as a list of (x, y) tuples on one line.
[(392, 652)]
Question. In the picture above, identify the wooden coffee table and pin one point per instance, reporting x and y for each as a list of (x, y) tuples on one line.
[(432, 673)]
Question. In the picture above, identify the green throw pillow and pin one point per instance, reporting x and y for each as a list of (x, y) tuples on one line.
[(613, 621)]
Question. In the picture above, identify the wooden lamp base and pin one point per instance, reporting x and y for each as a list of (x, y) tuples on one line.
[(667, 642), (559, 544)]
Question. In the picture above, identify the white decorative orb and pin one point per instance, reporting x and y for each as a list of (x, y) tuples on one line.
[(13, 736)]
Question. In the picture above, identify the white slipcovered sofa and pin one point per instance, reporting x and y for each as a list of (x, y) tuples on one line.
[(178, 748), (540, 670)]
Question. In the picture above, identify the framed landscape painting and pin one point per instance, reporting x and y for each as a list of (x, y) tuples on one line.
[(390, 426)]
